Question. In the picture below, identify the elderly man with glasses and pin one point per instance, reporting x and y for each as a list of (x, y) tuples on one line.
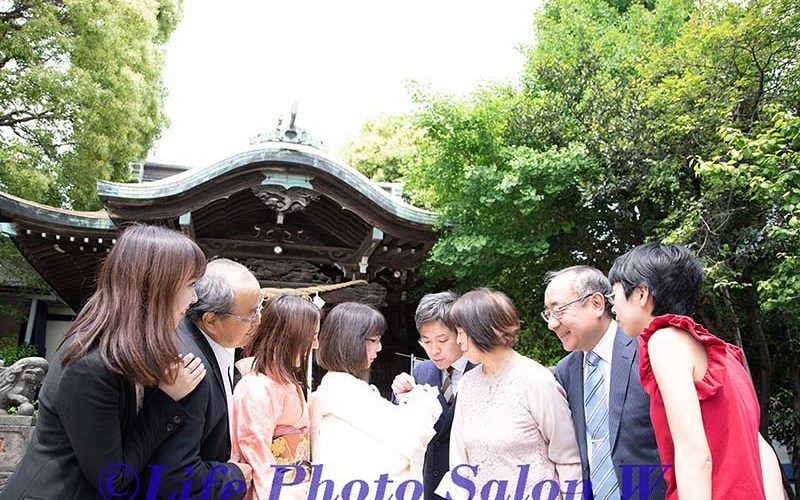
[(226, 314), (610, 409)]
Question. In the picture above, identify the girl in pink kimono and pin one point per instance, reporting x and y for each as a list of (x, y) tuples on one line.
[(270, 415)]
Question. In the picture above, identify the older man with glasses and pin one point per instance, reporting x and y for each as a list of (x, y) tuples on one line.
[(610, 409), (226, 314)]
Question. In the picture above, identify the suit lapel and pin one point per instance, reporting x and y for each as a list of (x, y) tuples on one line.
[(436, 381), (575, 397), (434, 377), (621, 359), (208, 352)]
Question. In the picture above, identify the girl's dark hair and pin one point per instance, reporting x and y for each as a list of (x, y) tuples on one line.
[(488, 317), (670, 272), (343, 337), (130, 318), (286, 333)]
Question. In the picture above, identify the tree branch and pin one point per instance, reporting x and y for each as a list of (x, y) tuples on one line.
[(15, 118)]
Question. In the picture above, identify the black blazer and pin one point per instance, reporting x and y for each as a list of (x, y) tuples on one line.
[(631, 436), (202, 445), (437, 456), (87, 425)]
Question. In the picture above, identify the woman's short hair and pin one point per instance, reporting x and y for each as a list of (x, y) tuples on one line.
[(343, 337), (671, 273), (130, 317), (488, 317), (284, 336)]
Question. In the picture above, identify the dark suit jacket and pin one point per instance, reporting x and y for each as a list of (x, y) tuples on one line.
[(203, 443), (87, 423), (437, 456), (630, 431)]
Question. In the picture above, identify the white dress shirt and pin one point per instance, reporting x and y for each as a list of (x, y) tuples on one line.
[(604, 349), (459, 367)]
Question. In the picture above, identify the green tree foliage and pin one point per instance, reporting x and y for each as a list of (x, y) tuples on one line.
[(385, 147), (747, 223), (10, 352), (670, 120), (80, 93)]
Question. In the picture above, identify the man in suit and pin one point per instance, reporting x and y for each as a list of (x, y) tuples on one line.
[(444, 370), (226, 314), (610, 409)]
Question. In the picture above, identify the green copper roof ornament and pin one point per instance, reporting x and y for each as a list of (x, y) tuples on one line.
[(288, 133)]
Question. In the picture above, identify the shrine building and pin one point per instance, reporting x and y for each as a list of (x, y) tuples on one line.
[(293, 215)]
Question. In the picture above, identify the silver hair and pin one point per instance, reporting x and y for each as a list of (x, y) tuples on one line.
[(214, 290), (435, 307), (586, 280)]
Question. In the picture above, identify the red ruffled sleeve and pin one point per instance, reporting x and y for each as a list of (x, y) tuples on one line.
[(716, 349)]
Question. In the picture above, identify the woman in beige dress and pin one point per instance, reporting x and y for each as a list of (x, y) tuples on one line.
[(512, 424)]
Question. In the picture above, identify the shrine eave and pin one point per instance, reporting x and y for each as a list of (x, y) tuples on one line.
[(180, 193), (17, 210)]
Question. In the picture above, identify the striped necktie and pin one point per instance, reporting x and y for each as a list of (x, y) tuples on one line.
[(447, 384), (601, 468)]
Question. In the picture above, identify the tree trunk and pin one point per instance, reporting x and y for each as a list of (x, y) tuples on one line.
[(796, 445), (753, 316), (737, 332)]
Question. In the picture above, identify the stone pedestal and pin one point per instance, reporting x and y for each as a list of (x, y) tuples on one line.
[(15, 434)]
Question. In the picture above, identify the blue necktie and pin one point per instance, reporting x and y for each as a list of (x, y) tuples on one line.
[(601, 468)]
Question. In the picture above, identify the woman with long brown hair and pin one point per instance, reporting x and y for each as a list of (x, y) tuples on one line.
[(270, 415), (113, 392)]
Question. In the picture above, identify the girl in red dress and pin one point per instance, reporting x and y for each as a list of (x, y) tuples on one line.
[(703, 406)]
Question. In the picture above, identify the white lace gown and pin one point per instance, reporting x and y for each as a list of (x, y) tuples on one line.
[(517, 417)]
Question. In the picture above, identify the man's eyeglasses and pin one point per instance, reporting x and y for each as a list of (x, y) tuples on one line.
[(559, 311), (253, 316)]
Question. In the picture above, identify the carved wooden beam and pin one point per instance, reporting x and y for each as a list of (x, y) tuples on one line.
[(364, 251), (187, 225), (244, 248)]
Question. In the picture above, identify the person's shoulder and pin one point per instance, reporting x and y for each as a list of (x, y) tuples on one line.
[(187, 337), (532, 371), (189, 341), (333, 381), (424, 369), (470, 376), (90, 362), (565, 362)]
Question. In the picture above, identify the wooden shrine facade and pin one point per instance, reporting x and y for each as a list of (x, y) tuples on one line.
[(294, 216)]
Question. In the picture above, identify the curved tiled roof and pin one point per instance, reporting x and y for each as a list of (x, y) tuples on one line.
[(12, 206), (266, 157)]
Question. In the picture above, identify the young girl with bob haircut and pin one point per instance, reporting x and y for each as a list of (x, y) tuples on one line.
[(356, 433), (703, 406), (270, 415), (112, 394)]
